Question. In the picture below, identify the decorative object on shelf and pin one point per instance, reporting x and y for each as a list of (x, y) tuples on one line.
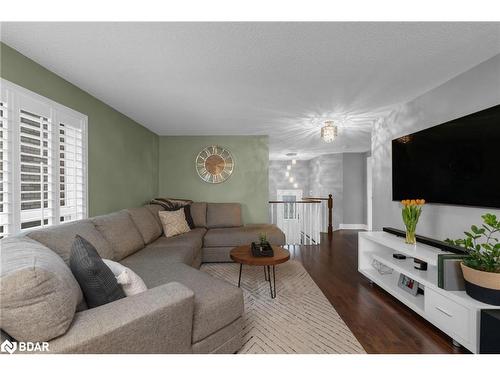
[(399, 256), (381, 267), (214, 164), (419, 264), (329, 132), (450, 275), (481, 265), (408, 284), (412, 208)]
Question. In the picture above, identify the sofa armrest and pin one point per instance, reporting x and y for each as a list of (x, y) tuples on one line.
[(159, 320)]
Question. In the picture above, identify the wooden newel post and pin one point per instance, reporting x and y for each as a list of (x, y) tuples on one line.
[(330, 216)]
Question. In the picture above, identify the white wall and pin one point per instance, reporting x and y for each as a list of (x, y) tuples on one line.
[(342, 175), (472, 91), (327, 178), (279, 181), (354, 191)]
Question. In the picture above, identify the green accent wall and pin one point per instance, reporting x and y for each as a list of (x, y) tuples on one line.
[(247, 185), (129, 165), (123, 155)]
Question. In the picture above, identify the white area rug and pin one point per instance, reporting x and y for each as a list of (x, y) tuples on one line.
[(299, 320)]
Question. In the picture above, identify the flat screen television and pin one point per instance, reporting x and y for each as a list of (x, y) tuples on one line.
[(456, 162)]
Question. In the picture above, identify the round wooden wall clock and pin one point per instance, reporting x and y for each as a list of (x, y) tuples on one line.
[(214, 164)]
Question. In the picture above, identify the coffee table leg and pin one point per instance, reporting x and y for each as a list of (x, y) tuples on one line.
[(272, 284), (266, 273), (239, 278)]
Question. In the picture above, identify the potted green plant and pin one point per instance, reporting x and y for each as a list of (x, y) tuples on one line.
[(481, 266), (262, 239)]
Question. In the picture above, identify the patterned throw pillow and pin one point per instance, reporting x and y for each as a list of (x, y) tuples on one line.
[(98, 283), (171, 204), (174, 222)]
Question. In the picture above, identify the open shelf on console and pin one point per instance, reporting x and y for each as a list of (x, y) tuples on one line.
[(406, 266), (389, 283)]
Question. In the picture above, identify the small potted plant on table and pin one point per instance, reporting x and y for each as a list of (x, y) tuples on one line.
[(262, 240), (481, 266)]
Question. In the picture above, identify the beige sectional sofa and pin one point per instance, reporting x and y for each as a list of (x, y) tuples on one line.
[(184, 309)]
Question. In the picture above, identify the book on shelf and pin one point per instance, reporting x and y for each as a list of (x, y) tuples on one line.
[(449, 272)]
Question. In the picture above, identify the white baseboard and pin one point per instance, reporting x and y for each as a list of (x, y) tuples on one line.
[(354, 226)]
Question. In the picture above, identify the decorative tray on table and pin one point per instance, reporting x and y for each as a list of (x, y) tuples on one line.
[(262, 249)]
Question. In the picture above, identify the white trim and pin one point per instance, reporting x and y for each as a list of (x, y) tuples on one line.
[(354, 226), (369, 193)]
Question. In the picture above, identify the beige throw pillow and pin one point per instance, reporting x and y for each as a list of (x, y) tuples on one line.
[(174, 222)]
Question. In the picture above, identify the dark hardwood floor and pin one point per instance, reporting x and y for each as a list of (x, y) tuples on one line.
[(380, 322)]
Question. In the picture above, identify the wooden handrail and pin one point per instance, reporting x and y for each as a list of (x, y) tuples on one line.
[(315, 201)]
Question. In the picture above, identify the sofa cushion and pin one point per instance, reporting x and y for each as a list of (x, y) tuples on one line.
[(199, 214), (216, 302), (220, 237), (121, 232), (193, 239), (154, 209), (97, 281), (149, 260), (59, 238), (146, 223), (223, 215), (38, 292)]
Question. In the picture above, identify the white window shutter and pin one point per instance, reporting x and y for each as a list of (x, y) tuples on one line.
[(44, 163)]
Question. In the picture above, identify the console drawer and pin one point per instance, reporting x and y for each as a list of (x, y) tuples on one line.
[(447, 315)]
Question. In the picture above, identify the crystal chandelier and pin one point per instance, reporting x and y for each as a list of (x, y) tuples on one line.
[(329, 132)]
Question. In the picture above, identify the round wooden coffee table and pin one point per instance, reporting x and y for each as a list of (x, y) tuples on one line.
[(243, 255)]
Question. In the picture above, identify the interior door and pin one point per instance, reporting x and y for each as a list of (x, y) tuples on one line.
[(288, 217)]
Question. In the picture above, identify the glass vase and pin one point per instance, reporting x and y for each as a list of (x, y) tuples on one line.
[(410, 236)]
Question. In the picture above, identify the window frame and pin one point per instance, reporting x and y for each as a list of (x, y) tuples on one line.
[(12, 93)]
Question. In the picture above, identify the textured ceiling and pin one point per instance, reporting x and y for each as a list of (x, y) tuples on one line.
[(281, 79)]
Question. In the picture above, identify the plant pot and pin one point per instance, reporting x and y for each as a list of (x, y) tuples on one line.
[(482, 286)]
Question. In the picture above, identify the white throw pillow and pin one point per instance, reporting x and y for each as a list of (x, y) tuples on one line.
[(128, 279), (174, 222)]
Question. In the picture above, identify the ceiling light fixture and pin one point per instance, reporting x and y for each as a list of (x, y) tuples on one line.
[(295, 185), (287, 174), (288, 167), (291, 179), (329, 132), (294, 161)]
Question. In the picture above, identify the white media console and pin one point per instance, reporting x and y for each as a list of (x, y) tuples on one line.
[(453, 312)]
